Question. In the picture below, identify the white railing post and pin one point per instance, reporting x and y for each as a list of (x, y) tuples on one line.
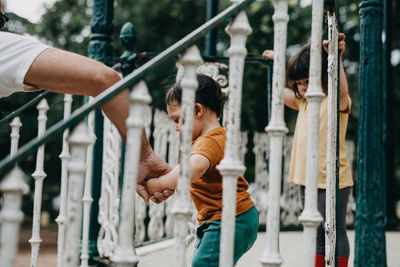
[(87, 195), (15, 127), (13, 186), (231, 167), (310, 217), (124, 254), (11, 216), (39, 176), (330, 224), (276, 130), (79, 142), (65, 157), (182, 209)]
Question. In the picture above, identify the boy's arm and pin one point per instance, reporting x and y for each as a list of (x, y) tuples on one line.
[(199, 165)]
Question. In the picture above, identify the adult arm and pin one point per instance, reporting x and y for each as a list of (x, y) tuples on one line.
[(69, 73)]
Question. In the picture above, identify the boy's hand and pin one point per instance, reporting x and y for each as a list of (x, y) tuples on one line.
[(268, 54), (341, 44), (149, 167), (152, 186)]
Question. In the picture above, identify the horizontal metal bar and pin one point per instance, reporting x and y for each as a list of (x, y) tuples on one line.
[(220, 58), (129, 81), (24, 107)]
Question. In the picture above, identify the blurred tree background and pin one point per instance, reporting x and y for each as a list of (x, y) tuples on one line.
[(159, 24)]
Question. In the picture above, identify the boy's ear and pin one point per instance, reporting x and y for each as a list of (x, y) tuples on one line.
[(198, 110)]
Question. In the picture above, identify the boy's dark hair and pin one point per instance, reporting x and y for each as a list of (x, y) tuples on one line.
[(208, 93), (299, 66)]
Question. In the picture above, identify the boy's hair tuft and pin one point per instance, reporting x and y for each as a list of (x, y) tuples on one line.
[(208, 93)]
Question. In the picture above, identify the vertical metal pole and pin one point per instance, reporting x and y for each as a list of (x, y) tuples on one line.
[(370, 248), (231, 167), (276, 131), (100, 49), (387, 118), (310, 217), (211, 37)]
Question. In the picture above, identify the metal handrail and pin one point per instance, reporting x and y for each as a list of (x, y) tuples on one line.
[(129, 81), (24, 107)]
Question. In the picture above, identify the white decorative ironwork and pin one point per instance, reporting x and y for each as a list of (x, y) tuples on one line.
[(39, 176), (87, 195), (182, 209), (65, 157), (330, 222), (124, 254), (290, 199), (212, 69), (261, 179), (109, 199), (140, 216), (173, 159), (231, 166), (11, 216), (79, 141), (155, 228), (310, 217), (276, 130), (243, 145)]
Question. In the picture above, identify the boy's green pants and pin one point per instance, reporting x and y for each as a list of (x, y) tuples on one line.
[(206, 252)]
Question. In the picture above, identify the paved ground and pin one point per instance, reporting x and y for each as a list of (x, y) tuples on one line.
[(290, 247)]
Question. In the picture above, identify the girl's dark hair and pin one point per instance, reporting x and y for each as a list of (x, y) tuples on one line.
[(299, 66), (208, 93)]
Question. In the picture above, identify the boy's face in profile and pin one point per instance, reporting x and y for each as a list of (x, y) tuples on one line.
[(175, 113)]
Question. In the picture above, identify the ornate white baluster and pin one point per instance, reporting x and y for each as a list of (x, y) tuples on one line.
[(231, 166), (124, 254), (276, 130), (261, 151), (87, 196), (109, 200), (79, 141), (290, 199), (156, 211), (182, 209), (330, 223), (310, 217), (12, 187), (65, 157), (39, 176)]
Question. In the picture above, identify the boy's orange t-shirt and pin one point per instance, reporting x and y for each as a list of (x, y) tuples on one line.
[(206, 191)]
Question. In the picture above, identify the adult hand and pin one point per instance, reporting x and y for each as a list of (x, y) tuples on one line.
[(268, 54), (149, 167)]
